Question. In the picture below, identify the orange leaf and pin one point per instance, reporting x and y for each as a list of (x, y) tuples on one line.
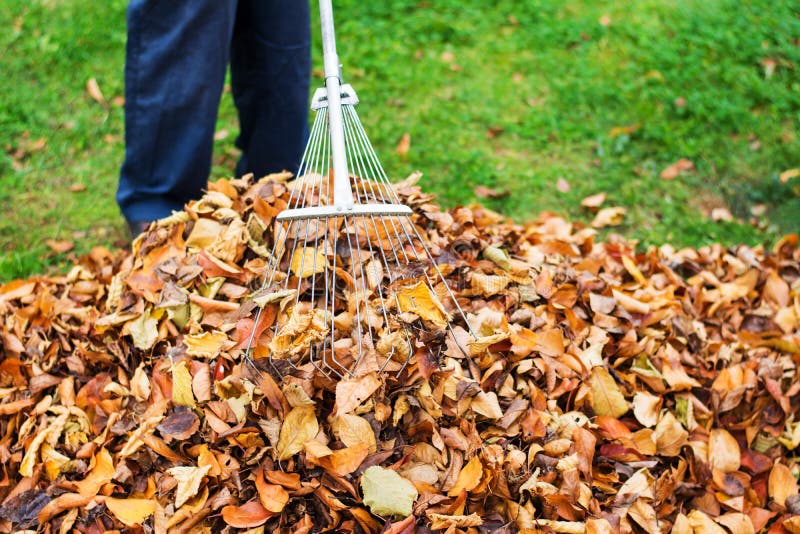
[(248, 515), (271, 496), (679, 167), (404, 145), (67, 501), (469, 477), (102, 472)]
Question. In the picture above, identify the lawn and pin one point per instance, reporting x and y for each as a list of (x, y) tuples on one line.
[(544, 102)]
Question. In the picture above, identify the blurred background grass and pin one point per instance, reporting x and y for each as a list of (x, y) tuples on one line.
[(526, 98)]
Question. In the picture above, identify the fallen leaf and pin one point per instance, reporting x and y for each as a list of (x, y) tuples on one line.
[(131, 512), (593, 202), (679, 167), (354, 430), (609, 217), (607, 399), (93, 88), (59, 246), (299, 426), (723, 451), (787, 175), (782, 484), (271, 496), (420, 300), (450, 522), (182, 385), (468, 478), (481, 191), (404, 145), (721, 214), (670, 435), (386, 493), (562, 185), (249, 515), (189, 479), (616, 131), (351, 392), (308, 261), (101, 473)]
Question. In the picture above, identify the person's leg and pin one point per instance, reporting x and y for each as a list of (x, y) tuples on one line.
[(270, 75), (175, 63)]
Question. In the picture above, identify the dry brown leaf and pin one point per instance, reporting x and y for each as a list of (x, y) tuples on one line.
[(351, 392)]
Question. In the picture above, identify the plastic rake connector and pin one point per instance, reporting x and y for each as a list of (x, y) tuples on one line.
[(349, 282)]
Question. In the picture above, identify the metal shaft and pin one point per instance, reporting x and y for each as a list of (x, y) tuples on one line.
[(342, 192)]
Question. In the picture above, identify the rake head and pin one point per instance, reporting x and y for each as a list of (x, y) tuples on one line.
[(350, 288)]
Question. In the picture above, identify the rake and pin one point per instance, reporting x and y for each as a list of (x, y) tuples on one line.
[(350, 285)]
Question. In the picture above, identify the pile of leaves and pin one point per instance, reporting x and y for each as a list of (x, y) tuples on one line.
[(609, 390)]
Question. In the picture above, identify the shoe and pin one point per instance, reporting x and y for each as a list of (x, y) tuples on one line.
[(137, 227)]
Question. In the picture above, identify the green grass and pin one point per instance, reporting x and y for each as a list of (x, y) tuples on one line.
[(547, 75)]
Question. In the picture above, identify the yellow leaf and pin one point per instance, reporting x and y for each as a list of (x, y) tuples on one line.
[(299, 426), (646, 408), (140, 384), (670, 435), (354, 430), (607, 399), (102, 472), (204, 233), (144, 331), (700, 522), (616, 131), (420, 300), (498, 256), (609, 217), (487, 405), (781, 484), (182, 385), (785, 176), (131, 512), (206, 344), (387, 493), (308, 262), (469, 477), (723, 451), (189, 479)]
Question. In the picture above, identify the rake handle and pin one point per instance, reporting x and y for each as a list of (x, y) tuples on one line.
[(342, 191)]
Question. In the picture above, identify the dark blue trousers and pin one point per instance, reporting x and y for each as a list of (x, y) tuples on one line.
[(175, 64)]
